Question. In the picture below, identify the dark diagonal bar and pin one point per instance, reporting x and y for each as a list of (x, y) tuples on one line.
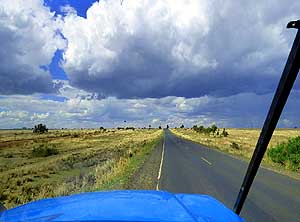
[(285, 85)]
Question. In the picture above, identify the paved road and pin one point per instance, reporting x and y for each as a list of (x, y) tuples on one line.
[(191, 168)]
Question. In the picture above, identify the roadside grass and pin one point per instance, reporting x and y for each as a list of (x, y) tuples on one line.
[(242, 142), (69, 161), (114, 174), (44, 150)]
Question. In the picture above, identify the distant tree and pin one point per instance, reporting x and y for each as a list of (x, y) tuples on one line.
[(167, 126), (149, 126), (201, 129), (40, 128), (207, 130), (182, 126), (225, 133), (195, 127), (213, 129), (159, 127)]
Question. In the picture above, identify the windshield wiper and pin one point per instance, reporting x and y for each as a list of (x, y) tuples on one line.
[(284, 88)]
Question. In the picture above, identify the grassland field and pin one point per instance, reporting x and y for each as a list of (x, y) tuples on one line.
[(90, 160), (62, 162), (241, 143)]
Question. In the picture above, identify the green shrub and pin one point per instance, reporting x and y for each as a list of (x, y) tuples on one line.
[(75, 135), (44, 150), (8, 155), (287, 153), (235, 145), (213, 129), (40, 128), (224, 133)]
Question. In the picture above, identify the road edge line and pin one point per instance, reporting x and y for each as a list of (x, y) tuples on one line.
[(161, 163), (206, 161)]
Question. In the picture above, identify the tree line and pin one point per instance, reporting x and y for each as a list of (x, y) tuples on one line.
[(213, 129)]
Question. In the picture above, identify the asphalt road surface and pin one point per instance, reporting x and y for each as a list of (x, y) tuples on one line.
[(188, 167)]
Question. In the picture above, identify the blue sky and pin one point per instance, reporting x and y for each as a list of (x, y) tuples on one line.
[(55, 5), (55, 68), (89, 63), (80, 6)]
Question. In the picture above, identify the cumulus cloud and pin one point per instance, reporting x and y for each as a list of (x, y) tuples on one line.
[(29, 37), (146, 62), (178, 48), (67, 9)]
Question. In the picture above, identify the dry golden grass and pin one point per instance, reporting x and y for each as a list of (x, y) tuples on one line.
[(246, 140), (87, 160)]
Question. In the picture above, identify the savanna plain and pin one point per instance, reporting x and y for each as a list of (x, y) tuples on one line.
[(63, 162)]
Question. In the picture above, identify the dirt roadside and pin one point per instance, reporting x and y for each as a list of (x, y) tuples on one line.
[(145, 177)]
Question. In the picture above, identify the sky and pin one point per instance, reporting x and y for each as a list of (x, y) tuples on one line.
[(86, 64)]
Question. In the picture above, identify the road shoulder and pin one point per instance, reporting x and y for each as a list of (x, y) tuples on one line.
[(145, 177)]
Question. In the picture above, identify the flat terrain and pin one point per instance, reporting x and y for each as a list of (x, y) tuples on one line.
[(89, 160), (246, 140), (61, 162), (189, 167)]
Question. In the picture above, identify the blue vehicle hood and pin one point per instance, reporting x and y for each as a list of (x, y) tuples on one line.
[(123, 206)]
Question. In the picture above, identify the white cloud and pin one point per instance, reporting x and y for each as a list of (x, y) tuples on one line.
[(29, 37), (68, 91), (67, 9), (242, 110), (178, 48), (156, 55), (39, 116)]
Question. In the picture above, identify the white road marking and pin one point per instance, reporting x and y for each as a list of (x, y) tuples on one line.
[(161, 163), (206, 161)]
